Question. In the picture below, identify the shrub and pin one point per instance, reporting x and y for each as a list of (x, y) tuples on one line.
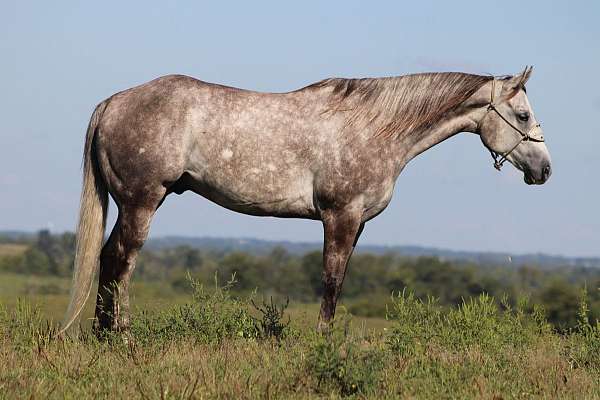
[(584, 341), (271, 324), (211, 317), (339, 364), (476, 322)]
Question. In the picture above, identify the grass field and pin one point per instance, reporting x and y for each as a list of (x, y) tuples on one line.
[(12, 249), (214, 345), (49, 295)]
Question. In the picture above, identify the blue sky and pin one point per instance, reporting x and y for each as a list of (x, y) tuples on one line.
[(59, 59)]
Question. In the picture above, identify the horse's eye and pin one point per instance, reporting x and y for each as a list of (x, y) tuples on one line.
[(523, 116)]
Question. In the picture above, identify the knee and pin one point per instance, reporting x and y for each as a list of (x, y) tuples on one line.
[(134, 243), (331, 281)]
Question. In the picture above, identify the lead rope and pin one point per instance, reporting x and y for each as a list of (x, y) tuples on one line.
[(499, 158)]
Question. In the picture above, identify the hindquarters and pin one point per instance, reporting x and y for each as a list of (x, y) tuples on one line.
[(134, 152), (141, 141)]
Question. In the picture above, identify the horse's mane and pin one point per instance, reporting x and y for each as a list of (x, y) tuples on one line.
[(401, 105)]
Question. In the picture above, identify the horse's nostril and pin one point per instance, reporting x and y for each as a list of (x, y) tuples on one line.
[(546, 172)]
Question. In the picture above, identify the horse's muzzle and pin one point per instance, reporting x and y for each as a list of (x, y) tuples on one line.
[(531, 178)]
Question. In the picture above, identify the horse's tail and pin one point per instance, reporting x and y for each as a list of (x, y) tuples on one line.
[(90, 229)]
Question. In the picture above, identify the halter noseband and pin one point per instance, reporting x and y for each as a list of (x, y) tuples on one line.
[(532, 134)]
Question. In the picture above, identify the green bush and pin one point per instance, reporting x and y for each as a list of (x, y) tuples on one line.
[(477, 322), (340, 365), (584, 341), (212, 316), (271, 325)]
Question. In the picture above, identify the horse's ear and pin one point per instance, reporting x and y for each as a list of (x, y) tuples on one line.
[(525, 75), (513, 84)]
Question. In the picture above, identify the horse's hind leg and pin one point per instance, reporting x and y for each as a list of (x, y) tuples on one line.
[(117, 262)]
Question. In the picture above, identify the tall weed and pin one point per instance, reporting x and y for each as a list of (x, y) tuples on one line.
[(341, 365), (479, 321), (212, 316)]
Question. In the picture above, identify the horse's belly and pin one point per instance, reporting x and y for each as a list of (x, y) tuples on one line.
[(265, 191)]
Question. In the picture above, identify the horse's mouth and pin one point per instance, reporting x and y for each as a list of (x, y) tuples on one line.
[(528, 179), (531, 180)]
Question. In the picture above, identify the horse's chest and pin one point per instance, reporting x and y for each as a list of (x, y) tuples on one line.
[(377, 200)]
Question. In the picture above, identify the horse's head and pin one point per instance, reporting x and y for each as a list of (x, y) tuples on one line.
[(511, 132)]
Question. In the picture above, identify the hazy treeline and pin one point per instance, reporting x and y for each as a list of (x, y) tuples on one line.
[(367, 288)]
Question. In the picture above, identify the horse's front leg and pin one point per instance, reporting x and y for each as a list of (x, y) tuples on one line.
[(342, 229)]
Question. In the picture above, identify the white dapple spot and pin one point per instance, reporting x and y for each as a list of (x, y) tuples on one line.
[(227, 154)]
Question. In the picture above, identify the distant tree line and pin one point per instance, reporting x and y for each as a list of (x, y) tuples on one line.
[(370, 281), (46, 254)]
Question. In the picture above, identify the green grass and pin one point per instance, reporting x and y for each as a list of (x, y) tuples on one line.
[(217, 345), (51, 296)]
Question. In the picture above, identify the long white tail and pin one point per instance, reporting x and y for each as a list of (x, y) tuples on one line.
[(90, 229)]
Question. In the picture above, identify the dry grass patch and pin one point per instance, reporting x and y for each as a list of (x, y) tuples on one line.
[(12, 249)]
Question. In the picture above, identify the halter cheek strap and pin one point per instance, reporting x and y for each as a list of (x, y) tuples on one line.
[(534, 134)]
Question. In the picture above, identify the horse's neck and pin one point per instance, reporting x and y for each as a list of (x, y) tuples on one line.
[(411, 146), (404, 146)]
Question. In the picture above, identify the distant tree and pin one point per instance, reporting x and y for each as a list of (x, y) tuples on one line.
[(279, 255), (247, 273), (45, 241), (67, 242), (530, 277), (192, 258), (561, 302), (36, 261), (47, 244), (312, 265)]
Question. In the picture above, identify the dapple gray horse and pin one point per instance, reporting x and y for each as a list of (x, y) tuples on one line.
[(331, 151)]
